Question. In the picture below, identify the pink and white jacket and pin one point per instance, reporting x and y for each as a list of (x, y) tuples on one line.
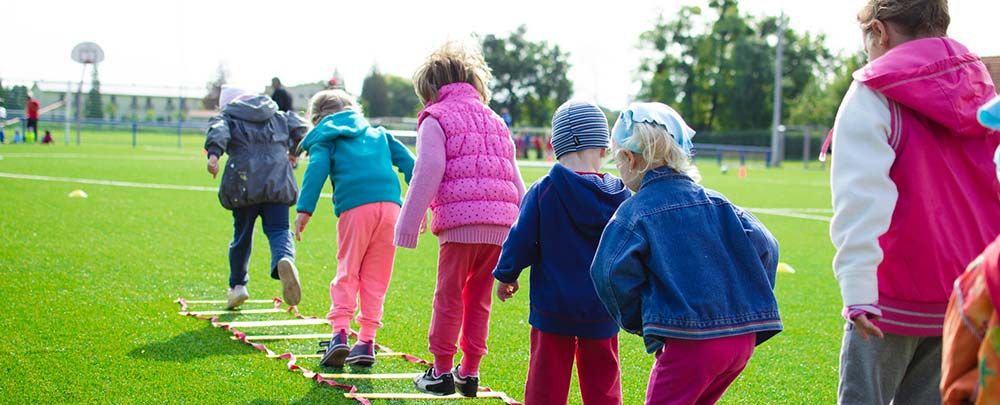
[(914, 190), (465, 172)]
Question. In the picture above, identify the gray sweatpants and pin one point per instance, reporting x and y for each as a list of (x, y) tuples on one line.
[(901, 370)]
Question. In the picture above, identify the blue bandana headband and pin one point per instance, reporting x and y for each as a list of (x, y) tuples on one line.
[(989, 115), (651, 113)]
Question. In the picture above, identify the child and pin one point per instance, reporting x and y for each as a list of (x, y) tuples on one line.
[(466, 173), (358, 160), (970, 360), (681, 266), (258, 182), (913, 197), (47, 140), (562, 217)]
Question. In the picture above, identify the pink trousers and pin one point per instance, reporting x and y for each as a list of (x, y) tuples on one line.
[(364, 266), (462, 302), (697, 371), (550, 369)]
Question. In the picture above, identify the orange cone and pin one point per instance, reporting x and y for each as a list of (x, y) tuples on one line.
[(743, 172)]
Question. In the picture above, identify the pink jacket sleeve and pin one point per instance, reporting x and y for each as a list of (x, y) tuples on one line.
[(427, 174)]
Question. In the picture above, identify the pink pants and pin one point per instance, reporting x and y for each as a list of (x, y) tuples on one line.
[(551, 367), (462, 302), (697, 371), (364, 266)]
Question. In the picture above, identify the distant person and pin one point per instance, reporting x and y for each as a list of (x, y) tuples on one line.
[(47, 140), (3, 119), (358, 161), (539, 147), (970, 359), (258, 182), (31, 107), (567, 318), (507, 118), (474, 193), (681, 266), (281, 96), (914, 198)]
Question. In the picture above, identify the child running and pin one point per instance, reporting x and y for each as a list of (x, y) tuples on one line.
[(562, 217), (913, 198), (358, 159), (466, 173), (258, 182), (681, 266)]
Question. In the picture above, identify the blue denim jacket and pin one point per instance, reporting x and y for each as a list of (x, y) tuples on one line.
[(680, 261)]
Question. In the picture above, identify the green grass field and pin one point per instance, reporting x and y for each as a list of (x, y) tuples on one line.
[(89, 288)]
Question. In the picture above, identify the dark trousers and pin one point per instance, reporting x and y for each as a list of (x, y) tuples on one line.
[(274, 218)]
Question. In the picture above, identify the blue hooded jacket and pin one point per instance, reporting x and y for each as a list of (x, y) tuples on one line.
[(560, 224), (358, 159)]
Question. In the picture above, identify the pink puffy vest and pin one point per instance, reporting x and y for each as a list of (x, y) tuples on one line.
[(478, 185)]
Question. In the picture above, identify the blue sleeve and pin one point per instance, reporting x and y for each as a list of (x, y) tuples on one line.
[(763, 242), (315, 177), (619, 274), (402, 158), (520, 250)]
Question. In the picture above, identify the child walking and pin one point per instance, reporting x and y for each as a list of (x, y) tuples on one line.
[(562, 217), (258, 182), (358, 159), (466, 173), (913, 197), (681, 266)]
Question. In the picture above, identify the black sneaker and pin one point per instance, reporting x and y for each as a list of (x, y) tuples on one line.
[(362, 354), (467, 386), (336, 351), (443, 384)]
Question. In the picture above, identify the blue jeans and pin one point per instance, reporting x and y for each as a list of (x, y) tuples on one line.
[(274, 218)]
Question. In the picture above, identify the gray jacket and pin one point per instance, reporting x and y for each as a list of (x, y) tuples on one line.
[(258, 139)]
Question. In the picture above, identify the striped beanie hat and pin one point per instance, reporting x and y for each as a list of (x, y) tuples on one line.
[(578, 125)]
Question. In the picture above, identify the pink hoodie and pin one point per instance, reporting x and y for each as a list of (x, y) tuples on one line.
[(947, 209)]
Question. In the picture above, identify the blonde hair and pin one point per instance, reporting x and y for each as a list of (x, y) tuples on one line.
[(327, 102), (453, 62), (913, 17), (658, 149)]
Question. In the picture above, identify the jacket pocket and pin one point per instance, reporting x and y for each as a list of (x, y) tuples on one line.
[(233, 192)]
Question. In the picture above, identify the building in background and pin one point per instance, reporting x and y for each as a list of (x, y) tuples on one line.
[(993, 64)]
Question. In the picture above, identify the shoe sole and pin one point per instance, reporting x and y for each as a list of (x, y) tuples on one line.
[(427, 391), (291, 290), (233, 304), (335, 357), (363, 361)]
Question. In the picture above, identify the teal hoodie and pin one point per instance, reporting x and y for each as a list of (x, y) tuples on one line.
[(358, 158)]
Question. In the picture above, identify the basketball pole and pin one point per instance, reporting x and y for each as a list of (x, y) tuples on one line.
[(67, 109), (79, 91)]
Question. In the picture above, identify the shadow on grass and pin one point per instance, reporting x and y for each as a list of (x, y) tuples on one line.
[(197, 344), (320, 394)]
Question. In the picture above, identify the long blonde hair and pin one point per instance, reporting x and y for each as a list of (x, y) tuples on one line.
[(328, 102), (658, 149), (453, 62)]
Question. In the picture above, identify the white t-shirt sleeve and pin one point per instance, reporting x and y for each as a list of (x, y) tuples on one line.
[(864, 196)]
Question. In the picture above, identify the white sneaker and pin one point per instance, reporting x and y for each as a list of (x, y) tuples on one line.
[(289, 275), (237, 296)]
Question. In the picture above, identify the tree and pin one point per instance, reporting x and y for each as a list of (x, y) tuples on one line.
[(403, 101), (111, 109), (150, 111), (375, 94), (719, 73), (818, 103), (214, 87), (93, 107), (530, 78)]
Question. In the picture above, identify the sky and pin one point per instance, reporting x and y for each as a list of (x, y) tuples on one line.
[(180, 44)]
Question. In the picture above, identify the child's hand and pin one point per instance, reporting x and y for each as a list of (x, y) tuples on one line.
[(300, 224), (423, 224), (506, 290), (292, 159), (213, 165), (866, 327)]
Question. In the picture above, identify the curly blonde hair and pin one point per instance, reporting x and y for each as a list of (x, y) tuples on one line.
[(658, 149), (453, 62), (328, 102)]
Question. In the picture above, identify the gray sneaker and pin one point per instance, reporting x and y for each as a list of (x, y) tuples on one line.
[(362, 354), (237, 296), (290, 288)]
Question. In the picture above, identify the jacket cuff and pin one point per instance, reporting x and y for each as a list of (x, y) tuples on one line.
[(214, 152), (406, 240), (503, 277), (854, 311), (301, 211)]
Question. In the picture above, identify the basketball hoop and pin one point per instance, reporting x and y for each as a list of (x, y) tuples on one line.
[(87, 53)]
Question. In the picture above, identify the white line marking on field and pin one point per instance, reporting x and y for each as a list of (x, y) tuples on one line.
[(102, 157), (115, 183), (789, 213)]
